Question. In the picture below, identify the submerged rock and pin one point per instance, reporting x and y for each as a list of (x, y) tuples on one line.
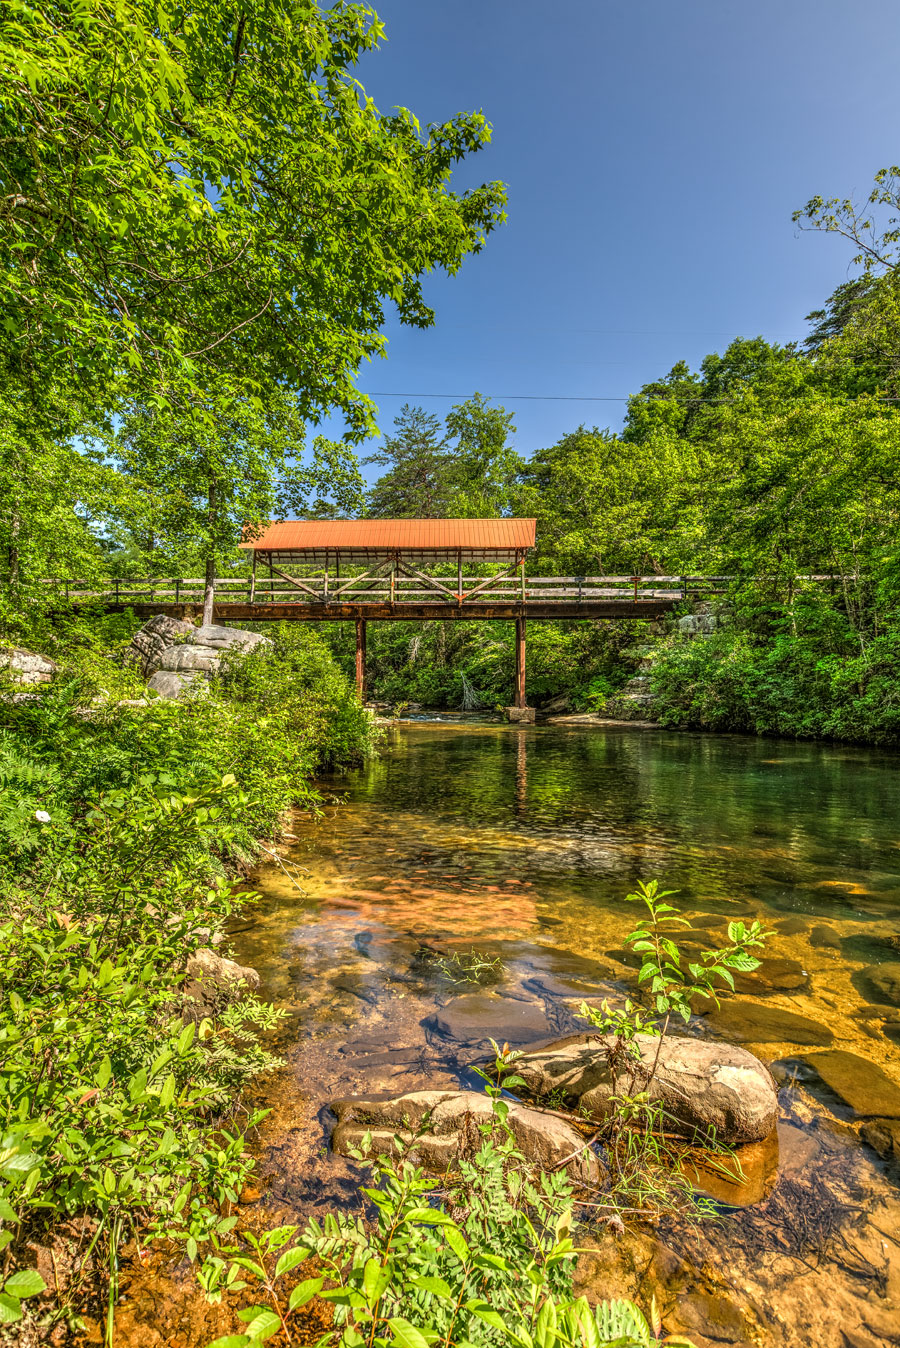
[(448, 1123), (759, 1023), (773, 975), (706, 1089), (213, 982), (883, 1136), (823, 937), (880, 983), (861, 1084), (475, 1018)]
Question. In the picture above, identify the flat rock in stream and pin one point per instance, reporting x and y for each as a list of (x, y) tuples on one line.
[(705, 1088), (773, 975), (441, 1124), (761, 1023), (861, 1084), (475, 1018), (880, 983)]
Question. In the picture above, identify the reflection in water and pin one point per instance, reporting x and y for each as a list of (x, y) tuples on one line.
[(522, 842)]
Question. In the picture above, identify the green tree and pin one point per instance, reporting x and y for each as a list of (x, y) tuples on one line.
[(483, 468), (416, 457), (206, 197), (607, 505), (198, 485)]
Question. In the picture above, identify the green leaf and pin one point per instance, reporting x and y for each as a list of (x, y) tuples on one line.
[(10, 1309), (305, 1291), (486, 1312), (290, 1259), (104, 1072), (26, 1283), (264, 1325), (231, 1341), (406, 1334), (375, 1279), (436, 1286), (457, 1242)]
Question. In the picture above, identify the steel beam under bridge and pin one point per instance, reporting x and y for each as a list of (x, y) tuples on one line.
[(376, 611)]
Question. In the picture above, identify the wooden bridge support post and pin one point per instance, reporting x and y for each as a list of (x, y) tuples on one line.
[(361, 658), (520, 663)]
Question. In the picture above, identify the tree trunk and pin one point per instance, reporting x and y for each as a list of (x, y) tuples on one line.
[(209, 593)]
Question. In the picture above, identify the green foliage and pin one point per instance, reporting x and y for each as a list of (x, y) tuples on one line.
[(647, 1171), (110, 1104), (225, 173), (673, 980), (809, 685), (484, 1259), (117, 826), (466, 470)]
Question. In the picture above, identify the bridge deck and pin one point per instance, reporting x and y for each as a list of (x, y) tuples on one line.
[(376, 611)]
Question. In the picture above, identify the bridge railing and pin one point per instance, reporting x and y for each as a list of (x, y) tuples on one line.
[(394, 588)]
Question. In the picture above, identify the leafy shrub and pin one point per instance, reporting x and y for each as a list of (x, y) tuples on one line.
[(486, 1258), (783, 684)]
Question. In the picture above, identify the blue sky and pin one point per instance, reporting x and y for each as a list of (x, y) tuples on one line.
[(654, 152)]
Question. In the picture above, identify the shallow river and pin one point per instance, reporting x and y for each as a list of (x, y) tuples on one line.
[(520, 843)]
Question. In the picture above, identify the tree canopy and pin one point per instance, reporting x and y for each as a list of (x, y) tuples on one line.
[(206, 194)]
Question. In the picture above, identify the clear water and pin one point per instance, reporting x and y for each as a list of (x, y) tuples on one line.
[(520, 843)]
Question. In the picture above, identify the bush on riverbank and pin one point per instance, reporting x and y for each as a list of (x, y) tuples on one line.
[(789, 684), (118, 827)]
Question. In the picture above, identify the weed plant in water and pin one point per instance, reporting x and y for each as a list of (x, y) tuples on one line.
[(646, 1162)]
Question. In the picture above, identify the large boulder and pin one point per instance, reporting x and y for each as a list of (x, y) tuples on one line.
[(147, 645), (442, 1124), (706, 1089), (172, 655), (214, 982), (171, 685), (226, 638), (178, 658), (26, 666)]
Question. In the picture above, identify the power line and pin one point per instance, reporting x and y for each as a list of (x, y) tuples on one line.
[(584, 398)]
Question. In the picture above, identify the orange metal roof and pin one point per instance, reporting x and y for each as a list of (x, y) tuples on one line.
[(507, 535)]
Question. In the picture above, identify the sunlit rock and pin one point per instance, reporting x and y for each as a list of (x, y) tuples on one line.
[(706, 1089), (442, 1124), (214, 982)]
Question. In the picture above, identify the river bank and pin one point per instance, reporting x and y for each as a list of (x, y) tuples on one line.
[(518, 843)]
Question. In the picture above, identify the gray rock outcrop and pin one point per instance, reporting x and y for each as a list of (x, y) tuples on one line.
[(706, 1089), (213, 982), (156, 636), (172, 655), (168, 684), (26, 667), (440, 1124)]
